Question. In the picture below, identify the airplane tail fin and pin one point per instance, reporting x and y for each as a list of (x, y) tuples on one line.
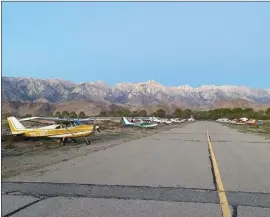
[(15, 126), (125, 121)]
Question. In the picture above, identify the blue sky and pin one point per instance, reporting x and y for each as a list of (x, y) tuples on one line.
[(174, 43)]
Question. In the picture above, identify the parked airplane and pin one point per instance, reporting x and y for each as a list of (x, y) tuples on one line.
[(178, 121), (191, 118), (60, 128), (155, 120), (141, 125), (160, 121)]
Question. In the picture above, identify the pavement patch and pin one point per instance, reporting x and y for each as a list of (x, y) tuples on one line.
[(69, 207), (243, 211), (256, 199), (14, 203), (125, 192), (175, 194)]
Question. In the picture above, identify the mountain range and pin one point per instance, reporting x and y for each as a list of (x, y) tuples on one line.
[(149, 95)]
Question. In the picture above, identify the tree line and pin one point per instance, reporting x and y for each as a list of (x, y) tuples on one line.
[(178, 113), (199, 115), (233, 113), (66, 114)]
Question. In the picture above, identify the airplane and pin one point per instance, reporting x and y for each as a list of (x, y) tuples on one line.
[(178, 121), (61, 128), (125, 122), (155, 120), (191, 118), (160, 121), (166, 121)]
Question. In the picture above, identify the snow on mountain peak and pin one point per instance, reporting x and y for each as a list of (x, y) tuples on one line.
[(148, 92), (184, 87), (154, 83), (100, 82)]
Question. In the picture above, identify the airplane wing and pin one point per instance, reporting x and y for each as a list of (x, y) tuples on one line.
[(55, 120), (47, 120)]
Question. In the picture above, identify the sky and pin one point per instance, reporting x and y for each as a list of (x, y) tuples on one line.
[(174, 43)]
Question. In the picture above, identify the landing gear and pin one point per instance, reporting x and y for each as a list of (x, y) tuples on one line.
[(87, 141), (63, 142)]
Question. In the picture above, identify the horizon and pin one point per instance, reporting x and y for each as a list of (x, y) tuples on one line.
[(123, 82), (173, 43)]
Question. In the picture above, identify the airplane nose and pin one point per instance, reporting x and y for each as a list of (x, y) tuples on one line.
[(97, 128)]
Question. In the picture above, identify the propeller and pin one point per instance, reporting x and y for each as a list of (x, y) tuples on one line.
[(97, 128)]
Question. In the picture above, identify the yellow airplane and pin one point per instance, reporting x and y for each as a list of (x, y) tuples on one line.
[(61, 128)]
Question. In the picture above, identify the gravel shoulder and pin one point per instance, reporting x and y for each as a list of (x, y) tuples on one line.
[(263, 130)]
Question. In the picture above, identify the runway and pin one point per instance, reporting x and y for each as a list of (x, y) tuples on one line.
[(165, 174)]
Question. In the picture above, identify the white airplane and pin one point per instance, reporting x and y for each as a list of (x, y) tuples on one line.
[(160, 120), (166, 121), (223, 120), (178, 121), (156, 120)]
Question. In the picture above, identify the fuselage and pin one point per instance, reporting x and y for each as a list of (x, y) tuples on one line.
[(55, 131)]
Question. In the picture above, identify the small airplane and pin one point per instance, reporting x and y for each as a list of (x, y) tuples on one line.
[(160, 121), (191, 119), (178, 121), (61, 128), (166, 121), (126, 122)]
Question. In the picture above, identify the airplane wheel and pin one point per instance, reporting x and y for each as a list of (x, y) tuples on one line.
[(64, 141), (60, 143), (87, 141)]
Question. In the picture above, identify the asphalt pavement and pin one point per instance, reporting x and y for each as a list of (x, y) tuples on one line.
[(165, 174)]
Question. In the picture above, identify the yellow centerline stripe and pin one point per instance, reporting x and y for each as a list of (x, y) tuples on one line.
[(226, 212)]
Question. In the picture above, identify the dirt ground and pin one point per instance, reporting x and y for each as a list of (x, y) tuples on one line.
[(261, 130), (26, 156)]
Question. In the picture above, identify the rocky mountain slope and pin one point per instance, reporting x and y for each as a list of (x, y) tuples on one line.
[(145, 94), (19, 108)]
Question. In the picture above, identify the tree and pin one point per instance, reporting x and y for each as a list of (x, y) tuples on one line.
[(248, 112), (260, 115), (142, 113), (81, 114), (65, 114), (103, 113), (134, 113), (161, 113), (178, 113), (237, 112), (73, 115), (125, 112), (186, 113), (268, 112), (201, 115), (226, 113), (154, 114), (58, 114)]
